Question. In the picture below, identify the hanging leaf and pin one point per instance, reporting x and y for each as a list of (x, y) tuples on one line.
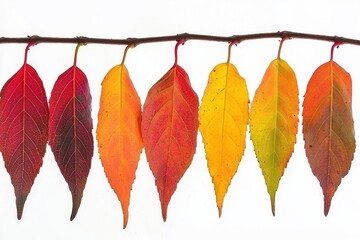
[(223, 120), (328, 127), (274, 122), (70, 130), (24, 115), (119, 132), (169, 128)]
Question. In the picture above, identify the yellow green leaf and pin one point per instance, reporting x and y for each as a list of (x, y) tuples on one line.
[(274, 122), (223, 120)]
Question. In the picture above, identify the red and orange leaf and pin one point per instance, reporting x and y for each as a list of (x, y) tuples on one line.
[(70, 130), (24, 115), (119, 133), (169, 127), (328, 127), (274, 122)]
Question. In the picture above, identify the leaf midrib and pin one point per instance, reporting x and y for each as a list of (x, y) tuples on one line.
[(74, 114), (23, 121), (223, 115), (276, 85), (330, 128), (171, 125)]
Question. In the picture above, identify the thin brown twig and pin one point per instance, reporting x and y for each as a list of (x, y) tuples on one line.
[(187, 36)]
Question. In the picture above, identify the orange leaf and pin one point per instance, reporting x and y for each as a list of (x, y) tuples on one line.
[(169, 126), (328, 127), (119, 133)]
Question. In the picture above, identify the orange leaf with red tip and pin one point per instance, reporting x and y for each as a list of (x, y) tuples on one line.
[(169, 127), (70, 130), (119, 132), (24, 117), (328, 127)]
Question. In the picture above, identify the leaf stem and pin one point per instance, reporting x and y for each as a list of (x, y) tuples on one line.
[(181, 41), (77, 50), (283, 39), (229, 49), (131, 45), (336, 44), (30, 44)]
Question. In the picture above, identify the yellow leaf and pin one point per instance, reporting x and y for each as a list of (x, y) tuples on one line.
[(274, 122), (223, 120), (119, 133)]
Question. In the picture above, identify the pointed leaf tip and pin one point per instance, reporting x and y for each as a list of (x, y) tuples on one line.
[(20, 202), (164, 208), (75, 207), (125, 201), (327, 203), (73, 214), (220, 211), (164, 215), (272, 199), (125, 220)]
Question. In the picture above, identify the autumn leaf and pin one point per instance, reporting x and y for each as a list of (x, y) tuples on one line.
[(24, 115), (169, 129), (328, 127), (119, 132), (70, 130), (274, 122), (223, 120)]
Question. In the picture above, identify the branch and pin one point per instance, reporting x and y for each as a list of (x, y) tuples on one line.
[(186, 36)]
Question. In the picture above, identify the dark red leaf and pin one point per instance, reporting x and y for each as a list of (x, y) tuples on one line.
[(24, 115), (70, 130)]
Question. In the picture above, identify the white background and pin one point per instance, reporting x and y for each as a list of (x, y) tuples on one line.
[(192, 212)]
